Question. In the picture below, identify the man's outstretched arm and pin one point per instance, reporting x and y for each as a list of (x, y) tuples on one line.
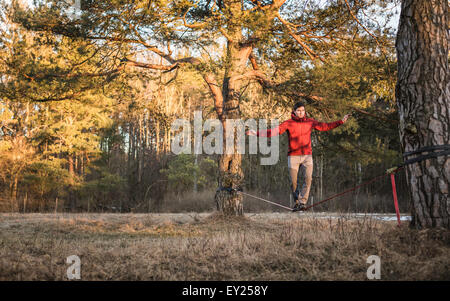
[(269, 132), (324, 126)]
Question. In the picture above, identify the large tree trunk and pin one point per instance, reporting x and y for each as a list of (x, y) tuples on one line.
[(230, 168), (227, 106), (423, 92)]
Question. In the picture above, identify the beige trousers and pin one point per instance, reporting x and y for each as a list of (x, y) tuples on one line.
[(303, 163)]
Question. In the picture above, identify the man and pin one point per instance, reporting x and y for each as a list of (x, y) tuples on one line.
[(299, 129)]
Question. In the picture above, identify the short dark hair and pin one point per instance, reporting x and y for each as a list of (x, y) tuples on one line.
[(298, 105)]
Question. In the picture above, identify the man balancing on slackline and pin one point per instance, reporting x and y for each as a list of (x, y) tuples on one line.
[(299, 129)]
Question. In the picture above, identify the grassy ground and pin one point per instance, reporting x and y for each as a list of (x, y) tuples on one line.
[(209, 247)]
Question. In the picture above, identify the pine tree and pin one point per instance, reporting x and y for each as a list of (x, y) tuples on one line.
[(423, 94)]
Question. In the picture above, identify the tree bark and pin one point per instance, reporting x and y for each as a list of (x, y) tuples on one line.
[(423, 93)]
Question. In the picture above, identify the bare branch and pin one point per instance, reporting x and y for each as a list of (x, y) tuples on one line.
[(359, 22), (377, 116), (299, 40), (216, 93), (151, 66), (254, 75)]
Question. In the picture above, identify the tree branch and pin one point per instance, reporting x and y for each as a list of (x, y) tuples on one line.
[(54, 98), (75, 75), (216, 93), (275, 5), (151, 66), (195, 25), (359, 22), (302, 43), (253, 62)]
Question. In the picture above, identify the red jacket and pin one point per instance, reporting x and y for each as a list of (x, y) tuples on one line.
[(299, 133)]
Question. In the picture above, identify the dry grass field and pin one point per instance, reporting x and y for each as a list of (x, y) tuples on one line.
[(207, 246)]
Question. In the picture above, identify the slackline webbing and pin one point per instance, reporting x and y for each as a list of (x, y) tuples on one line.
[(446, 152)]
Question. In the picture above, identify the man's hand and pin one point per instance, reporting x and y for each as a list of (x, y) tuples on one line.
[(345, 118), (250, 133)]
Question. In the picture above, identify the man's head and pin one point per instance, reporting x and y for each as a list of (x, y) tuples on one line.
[(299, 109)]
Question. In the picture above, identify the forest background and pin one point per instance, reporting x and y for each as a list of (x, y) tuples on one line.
[(78, 136)]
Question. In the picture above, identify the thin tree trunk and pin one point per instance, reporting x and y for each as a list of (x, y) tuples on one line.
[(195, 173), (129, 148), (71, 170), (25, 202), (72, 179), (169, 136), (76, 164), (82, 165), (134, 145), (164, 148), (157, 138), (321, 178), (358, 173), (145, 131), (14, 193), (423, 93), (166, 140), (140, 151)]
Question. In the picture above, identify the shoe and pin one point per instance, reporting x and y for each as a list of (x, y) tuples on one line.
[(299, 207), (302, 207)]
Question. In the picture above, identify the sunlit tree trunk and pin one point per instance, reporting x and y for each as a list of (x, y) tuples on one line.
[(423, 93)]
